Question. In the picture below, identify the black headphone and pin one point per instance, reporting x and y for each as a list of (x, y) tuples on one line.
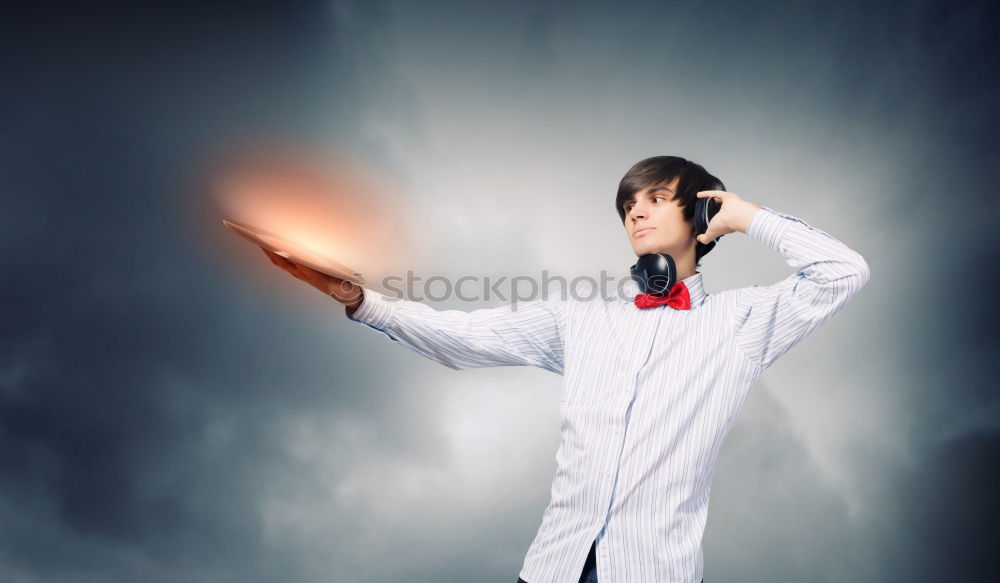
[(656, 273)]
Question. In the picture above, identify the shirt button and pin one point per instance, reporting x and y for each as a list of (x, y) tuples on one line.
[(607, 475), (616, 430)]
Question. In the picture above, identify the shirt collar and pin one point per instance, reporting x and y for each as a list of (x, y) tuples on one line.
[(693, 283)]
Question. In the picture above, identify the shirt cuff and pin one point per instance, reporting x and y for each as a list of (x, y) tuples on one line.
[(375, 310), (768, 226)]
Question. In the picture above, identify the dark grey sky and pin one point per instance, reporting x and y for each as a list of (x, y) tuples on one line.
[(167, 415)]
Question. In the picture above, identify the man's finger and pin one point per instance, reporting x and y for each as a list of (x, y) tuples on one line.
[(283, 262), (302, 268)]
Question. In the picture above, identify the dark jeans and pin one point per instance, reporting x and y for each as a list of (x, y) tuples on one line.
[(589, 574)]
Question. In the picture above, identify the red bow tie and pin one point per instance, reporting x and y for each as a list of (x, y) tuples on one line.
[(678, 298)]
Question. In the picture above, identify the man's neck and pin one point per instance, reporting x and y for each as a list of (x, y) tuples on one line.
[(685, 266)]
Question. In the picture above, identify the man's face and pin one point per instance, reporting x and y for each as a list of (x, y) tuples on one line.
[(655, 223)]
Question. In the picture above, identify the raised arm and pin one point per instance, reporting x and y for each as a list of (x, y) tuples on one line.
[(769, 320), (531, 335)]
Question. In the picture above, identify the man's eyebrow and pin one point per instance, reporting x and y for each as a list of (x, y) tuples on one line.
[(649, 192), (656, 188)]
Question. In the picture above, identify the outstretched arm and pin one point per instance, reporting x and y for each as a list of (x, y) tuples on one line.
[(530, 335)]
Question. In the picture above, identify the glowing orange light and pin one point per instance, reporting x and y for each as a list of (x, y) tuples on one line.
[(332, 208)]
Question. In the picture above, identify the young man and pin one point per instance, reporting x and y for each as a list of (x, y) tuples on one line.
[(649, 392)]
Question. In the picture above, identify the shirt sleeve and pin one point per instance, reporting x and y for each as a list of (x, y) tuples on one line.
[(531, 335), (769, 320)]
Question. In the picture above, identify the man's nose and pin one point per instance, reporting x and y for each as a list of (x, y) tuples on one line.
[(637, 212)]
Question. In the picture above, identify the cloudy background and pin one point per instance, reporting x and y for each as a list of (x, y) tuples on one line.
[(173, 408)]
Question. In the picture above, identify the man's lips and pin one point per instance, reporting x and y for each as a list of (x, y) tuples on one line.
[(642, 231)]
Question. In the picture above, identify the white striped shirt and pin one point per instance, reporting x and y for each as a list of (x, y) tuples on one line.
[(647, 397)]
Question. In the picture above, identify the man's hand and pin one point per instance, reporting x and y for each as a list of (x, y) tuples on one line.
[(345, 292), (734, 215)]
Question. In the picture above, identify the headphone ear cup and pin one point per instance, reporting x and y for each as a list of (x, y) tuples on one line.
[(704, 210), (655, 273), (700, 216), (713, 209)]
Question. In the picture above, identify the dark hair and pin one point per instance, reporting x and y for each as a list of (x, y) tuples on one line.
[(663, 169)]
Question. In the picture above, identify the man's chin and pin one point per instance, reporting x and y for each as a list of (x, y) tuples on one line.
[(648, 249)]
